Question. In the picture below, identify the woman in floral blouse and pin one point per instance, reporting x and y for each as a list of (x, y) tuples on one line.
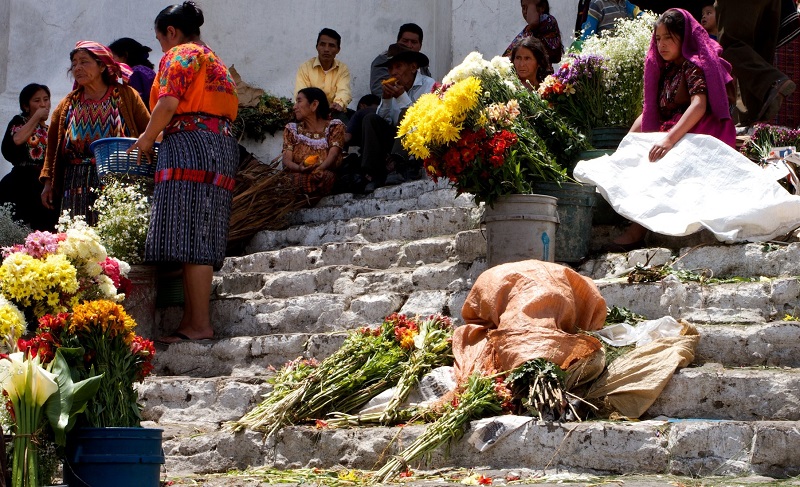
[(24, 147), (194, 103), (312, 147)]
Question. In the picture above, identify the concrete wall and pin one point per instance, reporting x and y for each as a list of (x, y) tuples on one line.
[(264, 39)]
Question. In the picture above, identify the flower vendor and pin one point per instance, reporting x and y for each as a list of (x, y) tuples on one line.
[(101, 105), (530, 61), (194, 102)]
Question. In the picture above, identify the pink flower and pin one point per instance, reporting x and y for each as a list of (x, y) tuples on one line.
[(111, 269), (40, 244)]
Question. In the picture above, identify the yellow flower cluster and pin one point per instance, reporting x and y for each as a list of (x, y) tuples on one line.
[(433, 121), (105, 317), (460, 98), (12, 323), (38, 282)]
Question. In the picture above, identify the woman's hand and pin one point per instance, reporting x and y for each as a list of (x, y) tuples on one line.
[(145, 146), (41, 115), (661, 148), (47, 194)]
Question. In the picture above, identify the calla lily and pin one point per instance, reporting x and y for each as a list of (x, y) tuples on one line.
[(13, 375), (28, 386), (41, 382)]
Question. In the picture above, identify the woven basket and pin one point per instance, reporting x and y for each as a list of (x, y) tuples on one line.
[(112, 160)]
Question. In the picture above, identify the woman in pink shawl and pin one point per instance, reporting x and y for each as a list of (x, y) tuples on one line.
[(685, 84), (685, 91)]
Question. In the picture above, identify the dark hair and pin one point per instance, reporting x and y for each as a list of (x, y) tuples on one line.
[(369, 100), (186, 17), (108, 78), (330, 33), (27, 93), (315, 94), (413, 28), (707, 3), (134, 53), (674, 22), (544, 6), (539, 52)]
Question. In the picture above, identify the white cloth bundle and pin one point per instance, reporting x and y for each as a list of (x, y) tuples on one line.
[(700, 183)]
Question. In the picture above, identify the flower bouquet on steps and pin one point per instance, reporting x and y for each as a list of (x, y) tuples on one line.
[(371, 360), (104, 334), (488, 134)]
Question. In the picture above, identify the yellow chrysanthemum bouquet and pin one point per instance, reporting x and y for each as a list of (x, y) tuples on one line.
[(487, 134)]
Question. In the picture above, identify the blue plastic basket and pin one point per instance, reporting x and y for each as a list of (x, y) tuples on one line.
[(111, 158)]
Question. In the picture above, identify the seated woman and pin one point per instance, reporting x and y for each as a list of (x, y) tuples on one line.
[(24, 146), (685, 83), (530, 61), (542, 26), (312, 147)]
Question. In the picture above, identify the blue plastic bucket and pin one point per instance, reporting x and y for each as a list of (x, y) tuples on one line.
[(122, 457)]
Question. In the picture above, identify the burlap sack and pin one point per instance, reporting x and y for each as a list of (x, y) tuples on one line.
[(526, 310)]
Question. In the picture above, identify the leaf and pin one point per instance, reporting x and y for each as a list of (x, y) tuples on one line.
[(71, 398)]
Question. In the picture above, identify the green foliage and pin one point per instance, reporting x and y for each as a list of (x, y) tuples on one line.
[(63, 407), (11, 232)]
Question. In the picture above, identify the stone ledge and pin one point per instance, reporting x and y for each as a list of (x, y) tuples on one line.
[(648, 447)]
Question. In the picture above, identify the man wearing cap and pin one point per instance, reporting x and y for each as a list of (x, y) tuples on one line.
[(410, 36), (381, 152)]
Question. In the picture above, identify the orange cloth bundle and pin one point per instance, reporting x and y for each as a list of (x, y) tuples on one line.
[(526, 310)]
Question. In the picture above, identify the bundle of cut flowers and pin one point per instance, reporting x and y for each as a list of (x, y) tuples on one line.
[(765, 137), (577, 92), (98, 338), (52, 272), (123, 217), (483, 395), (488, 134), (371, 360), (623, 50)]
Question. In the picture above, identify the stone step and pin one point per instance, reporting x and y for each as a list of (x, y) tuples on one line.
[(709, 392), (696, 448), (375, 206), (407, 190), (411, 225), (723, 261), (349, 280), (355, 298), (465, 246), (774, 344), (744, 302)]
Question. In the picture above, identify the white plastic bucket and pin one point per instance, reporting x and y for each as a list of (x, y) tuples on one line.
[(521, 227)]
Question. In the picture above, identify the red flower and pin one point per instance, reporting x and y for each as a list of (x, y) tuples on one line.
[(483, 480), (406, 474), (319, 424)]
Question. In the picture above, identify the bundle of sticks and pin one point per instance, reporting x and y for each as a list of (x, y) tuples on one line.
[(262, 199)]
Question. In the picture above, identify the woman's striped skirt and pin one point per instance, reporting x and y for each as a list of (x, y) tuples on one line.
[(191, 211)]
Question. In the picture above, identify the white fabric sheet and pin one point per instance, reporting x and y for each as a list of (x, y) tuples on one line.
[(700, 183)]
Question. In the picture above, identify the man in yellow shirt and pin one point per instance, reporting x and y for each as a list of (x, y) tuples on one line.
[(326, 73)]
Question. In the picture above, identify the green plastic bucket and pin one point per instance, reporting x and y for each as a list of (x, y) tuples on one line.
[(119, 457), (575, 203), (607, 137), (521, 227)]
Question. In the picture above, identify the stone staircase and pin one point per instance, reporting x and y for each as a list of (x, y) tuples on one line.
[(417, 248)]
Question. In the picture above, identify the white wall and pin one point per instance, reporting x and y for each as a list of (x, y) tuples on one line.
[(264, 39)]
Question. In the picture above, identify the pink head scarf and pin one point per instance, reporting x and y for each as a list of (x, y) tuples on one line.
[(120, 71), (704, 52)]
